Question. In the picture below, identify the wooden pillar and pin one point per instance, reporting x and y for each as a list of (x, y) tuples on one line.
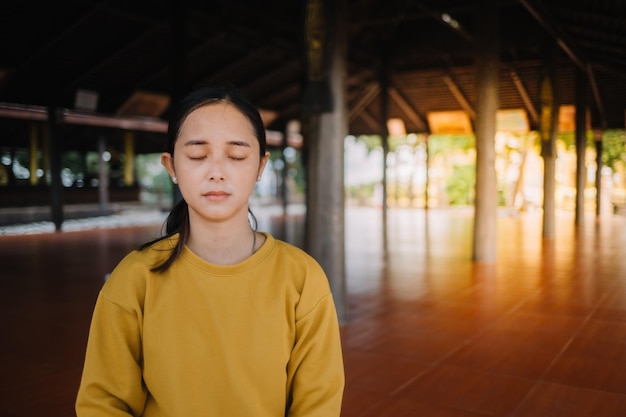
[(327, 130), (34, 153), (487, 63), (178, 63), (384, 133), (581, 145), (597, 135), (103, 175), (284, 173), (129, 158), (177, 50), (549, 129), (54, 155), (45, 152), (426, 195)]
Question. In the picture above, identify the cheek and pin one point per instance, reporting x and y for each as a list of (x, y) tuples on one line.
[(186, 174)]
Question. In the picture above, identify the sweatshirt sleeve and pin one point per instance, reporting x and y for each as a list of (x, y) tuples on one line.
[(111, 383), (315, 370)]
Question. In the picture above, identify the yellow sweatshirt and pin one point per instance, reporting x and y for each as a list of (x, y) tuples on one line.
[(256, 339)]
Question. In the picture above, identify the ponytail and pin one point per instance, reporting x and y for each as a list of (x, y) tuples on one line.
[(177, 222)]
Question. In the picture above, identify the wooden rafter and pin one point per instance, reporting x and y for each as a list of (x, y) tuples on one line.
[(370, 120), (368, 94), (537, 10), (459, 96), (596, 94), (521, 89), (406, 107)]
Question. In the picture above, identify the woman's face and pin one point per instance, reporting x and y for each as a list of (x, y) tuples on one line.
[(216, 162)]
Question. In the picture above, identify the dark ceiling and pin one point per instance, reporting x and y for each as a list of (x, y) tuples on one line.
[(123, 51)]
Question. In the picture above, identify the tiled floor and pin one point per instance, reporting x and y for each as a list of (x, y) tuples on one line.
[(542, 332)]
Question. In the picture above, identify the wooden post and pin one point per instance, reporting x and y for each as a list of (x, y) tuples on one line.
[(34, 154), (384, 133), (178, 63), (284, 194), (487, 63), (549, 129), (427, 162), (129, 160), (103, 175), (597, 135), (581, 145), (54, 153), (327, 130)]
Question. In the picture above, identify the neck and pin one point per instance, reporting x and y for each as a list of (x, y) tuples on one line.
[(223, 243)]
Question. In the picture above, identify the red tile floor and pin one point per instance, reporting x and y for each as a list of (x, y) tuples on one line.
[(540, 332)]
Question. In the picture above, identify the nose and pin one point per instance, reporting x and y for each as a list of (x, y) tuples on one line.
[(216, 172)]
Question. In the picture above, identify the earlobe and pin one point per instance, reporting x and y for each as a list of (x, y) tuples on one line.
[(262, 164), (168, 162)]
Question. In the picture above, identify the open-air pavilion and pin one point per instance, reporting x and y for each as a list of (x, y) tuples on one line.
[(97, 76)]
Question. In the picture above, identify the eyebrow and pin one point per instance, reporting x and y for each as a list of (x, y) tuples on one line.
[(193, 142)]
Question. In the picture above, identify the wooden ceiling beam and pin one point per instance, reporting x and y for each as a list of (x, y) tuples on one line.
[(596, 96), (406, 107), (285, 93), (521, 89), (459, 96), (109, 60), (225, 72), (447, 20), (365, 98), (370, 120), (267, 80), (541, 16), (537, 10), (164, 70)]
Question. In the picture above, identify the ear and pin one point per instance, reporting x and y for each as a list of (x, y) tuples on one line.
[(262, 163), (168, 162)]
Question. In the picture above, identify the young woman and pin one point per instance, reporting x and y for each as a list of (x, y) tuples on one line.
[(214, 318)]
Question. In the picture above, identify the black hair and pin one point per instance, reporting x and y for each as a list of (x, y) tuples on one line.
[(178, 218)]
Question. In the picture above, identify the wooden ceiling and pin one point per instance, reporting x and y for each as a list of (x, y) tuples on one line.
[(119, 55)]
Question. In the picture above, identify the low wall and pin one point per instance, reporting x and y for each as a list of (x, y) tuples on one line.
[(25, 196)]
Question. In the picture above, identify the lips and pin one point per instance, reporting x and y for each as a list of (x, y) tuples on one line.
[(216, 195)]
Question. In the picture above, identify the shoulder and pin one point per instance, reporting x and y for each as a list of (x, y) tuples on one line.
[(304, 272), (296, 257), (148, 257), (293, 251), (130, 276)]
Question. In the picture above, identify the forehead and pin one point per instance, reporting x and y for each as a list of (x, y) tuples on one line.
[(220, 119)]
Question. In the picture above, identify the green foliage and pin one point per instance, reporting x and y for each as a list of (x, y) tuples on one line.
[(613, 147), (361, 192), (295, 168), (23, 158), (569, 140), (152, 175), (374, 141), (371, 141), (450, 143), (436, 143), (460, 185), (74, 161)]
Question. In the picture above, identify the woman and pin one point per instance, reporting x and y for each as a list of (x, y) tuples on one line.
[(214, 318)]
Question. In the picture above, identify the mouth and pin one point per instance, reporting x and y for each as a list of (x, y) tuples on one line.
[(216, 195)]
